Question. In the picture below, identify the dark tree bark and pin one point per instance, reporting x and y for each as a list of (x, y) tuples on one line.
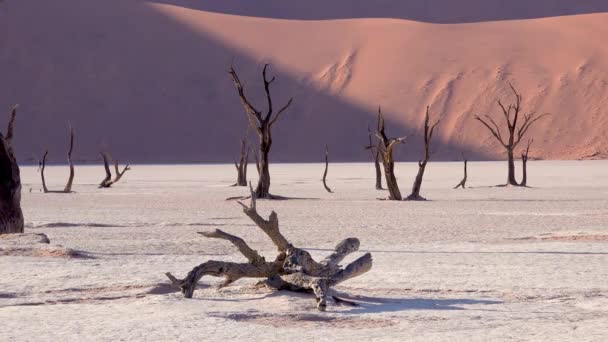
[(11, 216), (524, 164), (68, 185), (516, 130), (326, 169), (463, 182), (119, 173), (385, 148), (428, 136), (375, 151), (293, 268), (108, 181), (262, 124), (241, 166)]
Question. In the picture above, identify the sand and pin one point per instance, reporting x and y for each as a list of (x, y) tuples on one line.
[(147, 80), (481, 264)]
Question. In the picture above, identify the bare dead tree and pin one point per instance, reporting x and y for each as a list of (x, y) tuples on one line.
[(524, 164), (68, 185), (386, 147), (241, 166), (293, 268), (516, 129), (119, 173), (11, 216), (326, 168), (463, 182), (375, 151), (262, 124), (428, 136), (108, 181)]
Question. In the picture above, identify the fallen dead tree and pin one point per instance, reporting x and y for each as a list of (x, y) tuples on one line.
[(108, 181), (11, 216), (293, 268), (68, 185)]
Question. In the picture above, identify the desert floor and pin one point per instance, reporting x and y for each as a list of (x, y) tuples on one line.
[(480, 264)]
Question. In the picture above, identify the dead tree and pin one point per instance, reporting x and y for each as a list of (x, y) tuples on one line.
[(516, 130), (68, 185), (262, 123), (11, 216), (108, 181), (428, 136), (524, 164), (292, 269), (326, 168), (241, 166), (119, 173), (386, 147), (463, 182), (375, 151)]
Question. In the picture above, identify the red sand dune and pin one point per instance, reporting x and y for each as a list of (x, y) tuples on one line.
[(148, 81)]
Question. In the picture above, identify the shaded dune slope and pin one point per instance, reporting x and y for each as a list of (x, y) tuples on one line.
[(148, 81)]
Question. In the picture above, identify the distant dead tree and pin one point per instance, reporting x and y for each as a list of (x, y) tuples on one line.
[(262, 124), (292, 269), (386, 147), (516, 130), (375, 151), (428, 136), (241, 166), (68, 186), (463, 182), (11, 216), (326, 168), (524, 163), (108, 181)]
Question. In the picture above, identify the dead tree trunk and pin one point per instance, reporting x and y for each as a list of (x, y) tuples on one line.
[(326, 168), (119, 173), (293, 269), (262, 124), (68, 186), (11, 216), (241, 166), (375, 151), (463, 182), (524, 164), (515, 132), (386, 147), (428, 136), (108, 181)]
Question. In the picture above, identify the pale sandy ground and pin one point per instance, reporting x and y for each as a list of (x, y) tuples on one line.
[(475, 265)]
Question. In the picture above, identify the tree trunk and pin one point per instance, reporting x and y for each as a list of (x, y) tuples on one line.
[(524, 179), (378, 171), (68, 186), (263, 188), (511, 162), (463, 182), (391, 181), (415, 195), (11, 216), (326, 169)]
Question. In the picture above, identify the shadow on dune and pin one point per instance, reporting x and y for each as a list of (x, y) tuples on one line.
[(431, 11), (149, 89)]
